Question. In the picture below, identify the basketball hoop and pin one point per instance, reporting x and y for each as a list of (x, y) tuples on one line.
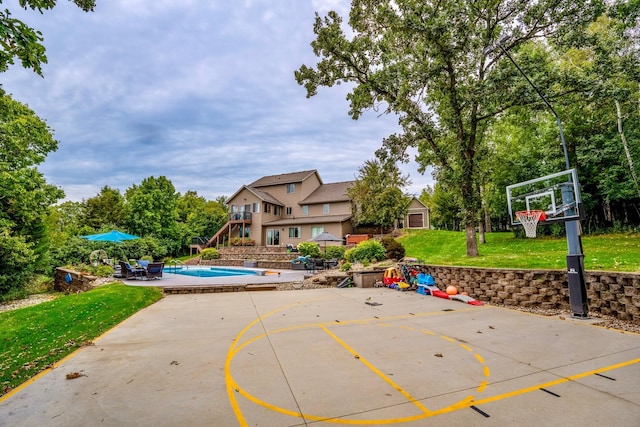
[(529, 220)]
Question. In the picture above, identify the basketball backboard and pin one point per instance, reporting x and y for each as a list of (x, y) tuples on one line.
[(558, 195)]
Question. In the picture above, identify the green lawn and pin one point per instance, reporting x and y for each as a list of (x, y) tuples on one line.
[(33, 338), (610, 252)]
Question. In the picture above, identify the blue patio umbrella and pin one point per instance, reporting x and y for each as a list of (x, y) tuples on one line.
[(111, 236), (114, 236)]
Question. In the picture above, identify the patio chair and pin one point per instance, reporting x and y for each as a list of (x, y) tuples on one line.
[(128, 272), (310, 265), (154, 270)]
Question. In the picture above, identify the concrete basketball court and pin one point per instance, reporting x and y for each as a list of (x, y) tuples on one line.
[(331, 357)]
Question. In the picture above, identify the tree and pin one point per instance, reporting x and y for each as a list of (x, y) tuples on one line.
[(151, 209), (18, 40), (106, 210), (25, 196), (377, 194), (426, 62), (202, 217)]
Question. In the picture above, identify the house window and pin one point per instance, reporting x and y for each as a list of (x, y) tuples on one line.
[(305, 210), (315, 231), (289, 210), (243, 232), (325, 208), (291, 188), (256, 207), (277, 210), (234, 208), (267, 208), (294, 232)]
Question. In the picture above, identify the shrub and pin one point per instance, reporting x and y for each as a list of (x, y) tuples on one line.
[(94, 270), (309, 249), (103, 271), (393, 249), (17, 261), (209, 253), (346, 266), (336, 252), (239, 241), (369, 250)]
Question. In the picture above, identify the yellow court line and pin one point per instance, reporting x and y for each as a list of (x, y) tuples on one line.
[(377, 371), (555, 382), (230, 382), (233, 388), (466, 347), (444, 337)]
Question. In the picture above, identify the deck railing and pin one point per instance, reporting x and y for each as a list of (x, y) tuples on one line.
[(200, 241), (240, 216)]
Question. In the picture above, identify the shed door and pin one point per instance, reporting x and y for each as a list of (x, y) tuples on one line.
[(416, 221)]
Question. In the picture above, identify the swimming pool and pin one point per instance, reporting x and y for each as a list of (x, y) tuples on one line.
[(210, 271)]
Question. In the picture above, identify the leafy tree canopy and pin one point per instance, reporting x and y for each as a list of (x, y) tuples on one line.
[(25, 196), (377, 194), (151, 208), (18, 40), (106, 210), (426, 61)]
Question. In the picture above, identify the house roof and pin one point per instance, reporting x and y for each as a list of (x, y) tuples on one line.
[(262, 195), (302, 220), (285, 178), (333, 192), (265, 197)]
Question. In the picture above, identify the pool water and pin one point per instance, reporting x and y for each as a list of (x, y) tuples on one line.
[(210, 271)]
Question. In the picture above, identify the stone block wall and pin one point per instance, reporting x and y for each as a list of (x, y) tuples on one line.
[(609, 293), (263, 253), (77, 282), (266, 264)]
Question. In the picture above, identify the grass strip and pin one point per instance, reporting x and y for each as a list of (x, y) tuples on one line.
[(608, 252), (33, 338)]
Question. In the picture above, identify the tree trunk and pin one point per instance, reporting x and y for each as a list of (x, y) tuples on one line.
[(481, 232), (472, 243), (626, 148)]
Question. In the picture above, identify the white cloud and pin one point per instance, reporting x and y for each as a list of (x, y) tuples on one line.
[(199, 91)]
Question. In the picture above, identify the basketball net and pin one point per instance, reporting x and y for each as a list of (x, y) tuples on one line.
[(529, 220)]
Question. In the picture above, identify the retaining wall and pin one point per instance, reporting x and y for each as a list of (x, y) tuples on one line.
[(608, 293), (66, 280)]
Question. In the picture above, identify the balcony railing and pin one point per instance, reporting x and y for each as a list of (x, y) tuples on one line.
[(240, 216)]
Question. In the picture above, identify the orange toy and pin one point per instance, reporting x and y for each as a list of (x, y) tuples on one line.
[(452, 290)]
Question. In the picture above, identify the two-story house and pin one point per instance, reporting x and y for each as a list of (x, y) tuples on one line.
[(290, 208)]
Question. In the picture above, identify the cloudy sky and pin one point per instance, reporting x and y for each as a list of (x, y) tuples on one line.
[(200, 91)]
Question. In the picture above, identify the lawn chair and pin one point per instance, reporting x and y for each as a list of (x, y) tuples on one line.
[(310, 265), (154, 270), (128, 272)]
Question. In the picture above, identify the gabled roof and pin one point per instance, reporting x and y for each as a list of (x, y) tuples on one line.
[(262, 195), (285, 178), (327, 193), (416, 201)]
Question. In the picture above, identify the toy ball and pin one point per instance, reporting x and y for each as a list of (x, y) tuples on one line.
[(464, 293), (451, 290)]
